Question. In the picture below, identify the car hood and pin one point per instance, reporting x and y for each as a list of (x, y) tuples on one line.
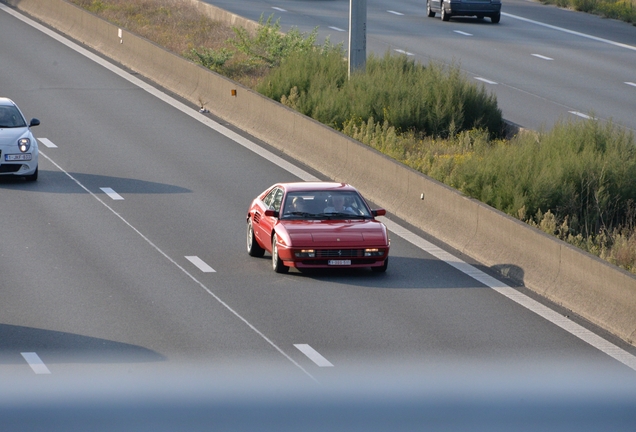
[(10, 136), (329, 232)]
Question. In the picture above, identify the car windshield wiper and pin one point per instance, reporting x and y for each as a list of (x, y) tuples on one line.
[(304, 214), (344, 215)]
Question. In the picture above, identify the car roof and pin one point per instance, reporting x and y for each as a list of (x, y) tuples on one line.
[(6, 101), (316, 186)]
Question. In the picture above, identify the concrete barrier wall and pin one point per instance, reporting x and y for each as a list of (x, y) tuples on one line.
[(599, 292)]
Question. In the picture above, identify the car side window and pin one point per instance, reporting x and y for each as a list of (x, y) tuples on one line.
[(269, 198), (278, 198)]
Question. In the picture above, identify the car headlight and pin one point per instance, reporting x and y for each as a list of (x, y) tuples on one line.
[(24, 144), (373, 252), (305, 253)]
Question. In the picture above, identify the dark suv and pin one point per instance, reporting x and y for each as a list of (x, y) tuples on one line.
[(478, 8)]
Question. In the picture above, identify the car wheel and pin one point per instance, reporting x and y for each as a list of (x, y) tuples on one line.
[(34, 176), (382, 268), (495, 18), (429, 12), (445, 15), (277, 263), (253, 248)]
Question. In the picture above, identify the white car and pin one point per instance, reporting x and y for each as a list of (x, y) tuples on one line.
[(18, 147)]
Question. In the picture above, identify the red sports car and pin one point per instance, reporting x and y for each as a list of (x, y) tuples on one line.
[(316, 225)]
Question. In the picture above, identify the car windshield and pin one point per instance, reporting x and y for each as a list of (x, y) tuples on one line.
[(325, 205), (10, 117)]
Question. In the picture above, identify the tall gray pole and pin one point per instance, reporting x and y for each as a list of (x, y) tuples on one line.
[(357, 35)]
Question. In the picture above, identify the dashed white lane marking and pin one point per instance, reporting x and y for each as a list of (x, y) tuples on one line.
[(542, 57), (630, 83), (337, 29), (200, 264), (514, 295), (313, 355), (580, 114), (47, 142), (112, 194), (395, 13), (580, 332), (462, 33), (404, 52), (279, 9), (36, 363), (485, 80)]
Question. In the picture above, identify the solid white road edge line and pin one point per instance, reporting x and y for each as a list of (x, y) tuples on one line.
[(395, 13), (580, 114), (514, 295), (112, 194), (200, 264), (630, 83), (584, 334), (572, 32), (542, 57), (279, 9), (47, 142), (36, 363), (462, 33), (313, 355), (337, 29)]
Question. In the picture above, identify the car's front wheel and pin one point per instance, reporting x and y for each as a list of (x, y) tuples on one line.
[(253, 248), (34, 176), (277, 263), (382, 268), (445, 15), (429, 12)]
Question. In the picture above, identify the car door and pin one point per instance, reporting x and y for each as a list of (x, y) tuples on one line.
[(264, 225)]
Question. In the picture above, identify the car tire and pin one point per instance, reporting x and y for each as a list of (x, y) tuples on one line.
[(32, 177), (495, 18), (253, 248), (429, 12), (382, 268), (277, 263), (445, 15)]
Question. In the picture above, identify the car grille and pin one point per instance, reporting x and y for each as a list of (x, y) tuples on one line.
[(10, 168), (339, 253)]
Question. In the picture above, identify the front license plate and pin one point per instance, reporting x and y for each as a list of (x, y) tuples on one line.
[(18, 157), (339, 262)]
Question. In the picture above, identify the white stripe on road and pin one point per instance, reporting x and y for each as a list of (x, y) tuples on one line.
[(575, 33), (200, 264), (337, 29), (47, 142), (111, 193), (485, 80), (404, 52), (394, 12), (630, 83), (279, 9), (313, 355), (462, 33), (514, 295), (542, 57), (36, 363), (580, 114)]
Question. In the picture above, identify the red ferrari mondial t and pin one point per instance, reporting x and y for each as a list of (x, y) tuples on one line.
[(316, 225)]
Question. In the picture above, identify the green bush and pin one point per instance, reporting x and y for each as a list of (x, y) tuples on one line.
[(433, 99), (583, 172)]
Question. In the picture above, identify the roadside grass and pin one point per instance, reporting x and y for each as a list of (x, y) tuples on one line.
[(624, 10), (576, 181)]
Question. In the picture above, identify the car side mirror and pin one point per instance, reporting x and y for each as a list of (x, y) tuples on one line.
[(271, 213), (34, 122), (378, 212)]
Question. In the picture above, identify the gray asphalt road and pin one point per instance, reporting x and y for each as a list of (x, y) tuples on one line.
[(543, 63), (93, 282)]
